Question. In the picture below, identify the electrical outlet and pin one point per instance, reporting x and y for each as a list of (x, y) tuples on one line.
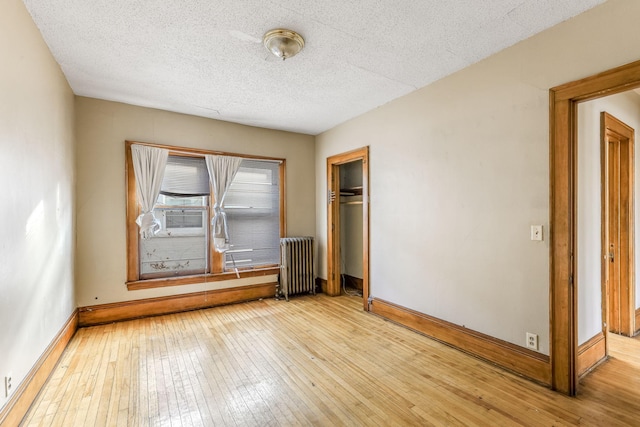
[(532, 341), (8, 385)]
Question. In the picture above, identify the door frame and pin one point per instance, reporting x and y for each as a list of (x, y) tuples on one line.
[(611, 125), (333, 221), (563, 113)]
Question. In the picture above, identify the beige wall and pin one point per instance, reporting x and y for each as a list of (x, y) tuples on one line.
[(460, 171), (36, 218), (626, 107), (101, 129)]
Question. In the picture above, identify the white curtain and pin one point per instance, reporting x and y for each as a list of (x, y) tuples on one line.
[(222, 170), (148, 165)]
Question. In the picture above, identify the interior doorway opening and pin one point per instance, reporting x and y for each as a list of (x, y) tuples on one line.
[(565, 285), (606, 260), (351, 205)]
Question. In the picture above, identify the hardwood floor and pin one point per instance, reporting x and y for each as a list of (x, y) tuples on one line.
[(314, 360)]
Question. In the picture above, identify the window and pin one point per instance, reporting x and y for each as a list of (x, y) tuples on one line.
[(253, 214), (182, 251)]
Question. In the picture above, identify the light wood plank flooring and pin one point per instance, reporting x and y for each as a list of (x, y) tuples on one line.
[(312, 361)]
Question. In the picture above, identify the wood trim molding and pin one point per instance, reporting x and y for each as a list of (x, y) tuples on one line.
[(192, 280), (610, 82), (591, 353), (333, 229), (562, 296), (115, 312), (201, 151), (321, 284), (531, 364), (132, 212), (282, 170), (620, 309), (333, 222), (637, 327), (563, 186), (21, 400)]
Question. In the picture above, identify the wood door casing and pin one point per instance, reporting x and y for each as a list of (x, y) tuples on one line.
[(618, 226), (333, 221), (563, 101), (612, 227)]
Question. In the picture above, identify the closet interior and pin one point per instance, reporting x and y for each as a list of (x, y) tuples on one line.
[(351, 228)]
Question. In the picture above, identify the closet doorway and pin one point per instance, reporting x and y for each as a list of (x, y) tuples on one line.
[(348, 223)]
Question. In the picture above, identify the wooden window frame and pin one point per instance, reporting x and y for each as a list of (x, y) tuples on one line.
[(215, 259)]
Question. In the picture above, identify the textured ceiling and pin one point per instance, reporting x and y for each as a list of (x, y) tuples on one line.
[(204, 57)]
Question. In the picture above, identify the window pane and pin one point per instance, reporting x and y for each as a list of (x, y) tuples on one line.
[(253, 215), (183, 219), (185, 176), (181, 246)]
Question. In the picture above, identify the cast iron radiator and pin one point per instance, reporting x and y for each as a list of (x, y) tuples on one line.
[(297, 274)]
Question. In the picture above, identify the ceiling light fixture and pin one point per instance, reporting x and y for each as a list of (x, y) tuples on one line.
[(283, 43)]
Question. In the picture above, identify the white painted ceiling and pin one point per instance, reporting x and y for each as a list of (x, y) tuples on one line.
[(205, 57)]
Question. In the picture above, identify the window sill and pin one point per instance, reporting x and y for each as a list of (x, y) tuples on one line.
[(200, 278)]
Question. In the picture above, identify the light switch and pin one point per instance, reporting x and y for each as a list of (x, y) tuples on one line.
[(536, 232)]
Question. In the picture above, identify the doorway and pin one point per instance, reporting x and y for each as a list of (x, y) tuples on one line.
[(563, 104), (618, 291), (355, 164)]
